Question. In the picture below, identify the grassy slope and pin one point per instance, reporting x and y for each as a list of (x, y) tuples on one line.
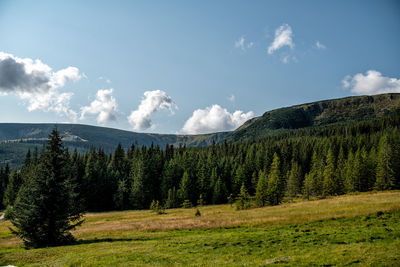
[(361, 229)]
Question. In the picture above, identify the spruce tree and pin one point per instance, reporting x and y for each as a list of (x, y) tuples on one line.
[(184, 188), (340, 171), (242, 200), (12, 189), (314, 179), (238, 180), (220, 192), (294, 181), (349, 174), (329, 182), (275, 186), (44, 212), (172, 201), (138, 192), (261, 190), (4, 177), (385, 177)]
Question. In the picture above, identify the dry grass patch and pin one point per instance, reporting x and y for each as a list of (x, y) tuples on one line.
[(226, 216)]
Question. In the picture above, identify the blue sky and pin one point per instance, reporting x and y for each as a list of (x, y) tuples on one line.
[(189, 66)]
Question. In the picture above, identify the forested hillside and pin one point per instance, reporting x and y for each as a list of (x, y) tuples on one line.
[(321, 113), (17, 138), (310, 162)]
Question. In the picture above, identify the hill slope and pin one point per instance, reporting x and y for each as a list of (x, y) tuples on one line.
[(321, 113), (17, 138)]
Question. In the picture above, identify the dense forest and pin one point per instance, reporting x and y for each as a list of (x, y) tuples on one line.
[(312, 162)]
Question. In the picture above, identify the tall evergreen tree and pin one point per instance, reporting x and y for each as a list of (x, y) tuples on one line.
[(313, 181), (294, 182), (139, 195), (4, 178), (340, 171), (12, 189), (185, 187), (220, 193), (261, 191), (349, 185), (385, 178), (330, 180), (172, 200), (275, 185), (44, 212)]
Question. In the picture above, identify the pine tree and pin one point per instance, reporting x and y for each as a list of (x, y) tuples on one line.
[(349, 174), (385, 178), (329, 182), (357, 171), (307, 186), (12, 189), (184, 188), (340, 171), (4, 177), (261, 191), (275, 185), (220, 192), (294, 181), (120, 195), (313, 181), (44, 212), (238, 180), (242, 200), (172, 201), (139, 199)]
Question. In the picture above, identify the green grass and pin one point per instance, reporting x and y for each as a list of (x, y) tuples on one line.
[(361, 230)]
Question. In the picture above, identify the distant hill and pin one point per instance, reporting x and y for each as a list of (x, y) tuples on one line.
[(320, 113), (88, 136), (17, 138)]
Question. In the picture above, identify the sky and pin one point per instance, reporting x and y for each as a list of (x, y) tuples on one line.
[(189, 67)]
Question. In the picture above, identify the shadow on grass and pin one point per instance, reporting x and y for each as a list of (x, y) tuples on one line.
[(108, 240)]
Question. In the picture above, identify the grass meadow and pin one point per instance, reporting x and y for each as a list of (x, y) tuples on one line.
[(359, 230)]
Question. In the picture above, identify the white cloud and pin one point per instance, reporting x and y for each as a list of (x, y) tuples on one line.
[(371, 83), (215, 119), (286, 58), (242, 44), (283, 37), (151, 103), (231, 98), (36, 83), (105, 106), (319, 45)]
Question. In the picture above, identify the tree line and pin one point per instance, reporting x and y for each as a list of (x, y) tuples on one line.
[(309, 163)]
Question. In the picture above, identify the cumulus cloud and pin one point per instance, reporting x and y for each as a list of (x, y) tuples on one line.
[(215, 119), (283, 37), (319, 45), (104, 106), (242, 44), (151, 103), (231, 98), (371, 83), (36, 83)]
